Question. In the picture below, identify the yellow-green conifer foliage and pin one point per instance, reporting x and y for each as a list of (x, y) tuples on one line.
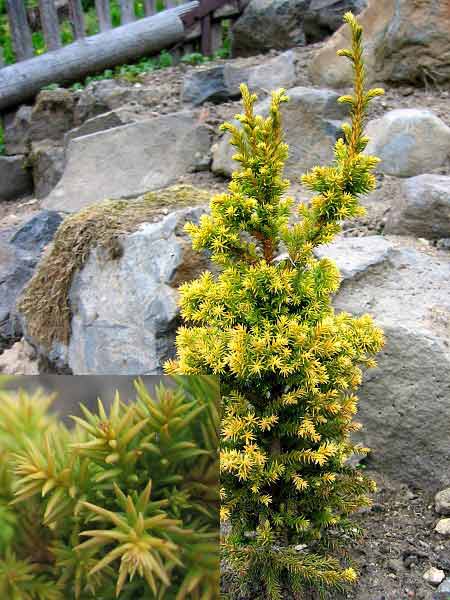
[(289, 366), (125, 504)]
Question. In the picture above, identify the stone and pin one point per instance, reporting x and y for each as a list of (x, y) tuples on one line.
[(324, 17), (409, 142), (267, 25), (405, 41), (125, 311), (15, 178), (403, 402), (434, 576), (19, 253), (20, 359), (47, 161), (221, 83), (16, 130), (443, 527), (444, 587), (108, 120), (423, 208), (52, 115), (442, 502), (312, 122), (37, 232), (127, 161)]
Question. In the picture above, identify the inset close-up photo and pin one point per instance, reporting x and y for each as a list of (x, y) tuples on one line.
[(111, 496)]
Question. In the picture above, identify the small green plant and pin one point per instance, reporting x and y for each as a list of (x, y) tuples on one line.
[(125, 504), (288, 365)]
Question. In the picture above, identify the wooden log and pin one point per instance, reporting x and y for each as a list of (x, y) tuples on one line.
[(103, 14), (216, 36), (22, 81), (127, 11), (206, 46), (77, 18), (50, 24), (20, 30), (149, 7)]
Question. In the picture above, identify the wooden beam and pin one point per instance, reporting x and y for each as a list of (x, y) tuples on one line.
[(103, 14), (50, 24), (20, 30), (149, 7), (206, 46), (77, 18), (127, 11), (22, 81)]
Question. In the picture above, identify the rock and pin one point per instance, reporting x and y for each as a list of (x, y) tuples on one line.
[(125, 310), (35, 234), (129, 160), (267, 25), (18, 258), (434, 576), (442, 502), (47, 161), (311, 120), (109, 94), (356, 255), (405, 41), (15, 179), (423, 209), (108, 120), (409, 142), (20, 359), (395, 565), (443, 527), (52, 115), (220, 83), (16, 130), (408, 294), (324, 17), (444, 587)]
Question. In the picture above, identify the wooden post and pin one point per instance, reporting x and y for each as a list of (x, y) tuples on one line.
[(149, 7), (77, 18), (20, 30), (104, 14), (216, 36), (127, 11), (50, 24), (22, 81), (206, 35)]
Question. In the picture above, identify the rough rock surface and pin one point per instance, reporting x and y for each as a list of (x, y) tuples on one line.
[(16, 130), (15, 179), (404, 402), (125, 310), (48, 161), (221, 82), (129, 160), (423, 209), (324, 17), (20, 359), (267, 24), (409, 142), (18, 257), (312, 122), (405, 41), (442, 502), (52, 115)]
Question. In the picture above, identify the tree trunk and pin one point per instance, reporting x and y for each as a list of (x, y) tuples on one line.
[(104, 14), (77, 18), (127, 11), (20, 30), (121, 45), (50, 24)]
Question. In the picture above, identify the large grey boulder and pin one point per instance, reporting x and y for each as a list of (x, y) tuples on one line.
[(409, 141), (221, 82), (47, 161), (269, 24), (405, 41), (125, 310), (20, 251), (129, 160), (312, 122), (16, 130), (324, 17), (423, 208), (404, 401), (15, 178)]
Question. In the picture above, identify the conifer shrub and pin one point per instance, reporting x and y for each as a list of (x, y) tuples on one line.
[(288, 365), (124, 504)]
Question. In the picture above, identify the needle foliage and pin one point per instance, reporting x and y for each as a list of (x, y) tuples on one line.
[(124, 504), (288, 365)]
